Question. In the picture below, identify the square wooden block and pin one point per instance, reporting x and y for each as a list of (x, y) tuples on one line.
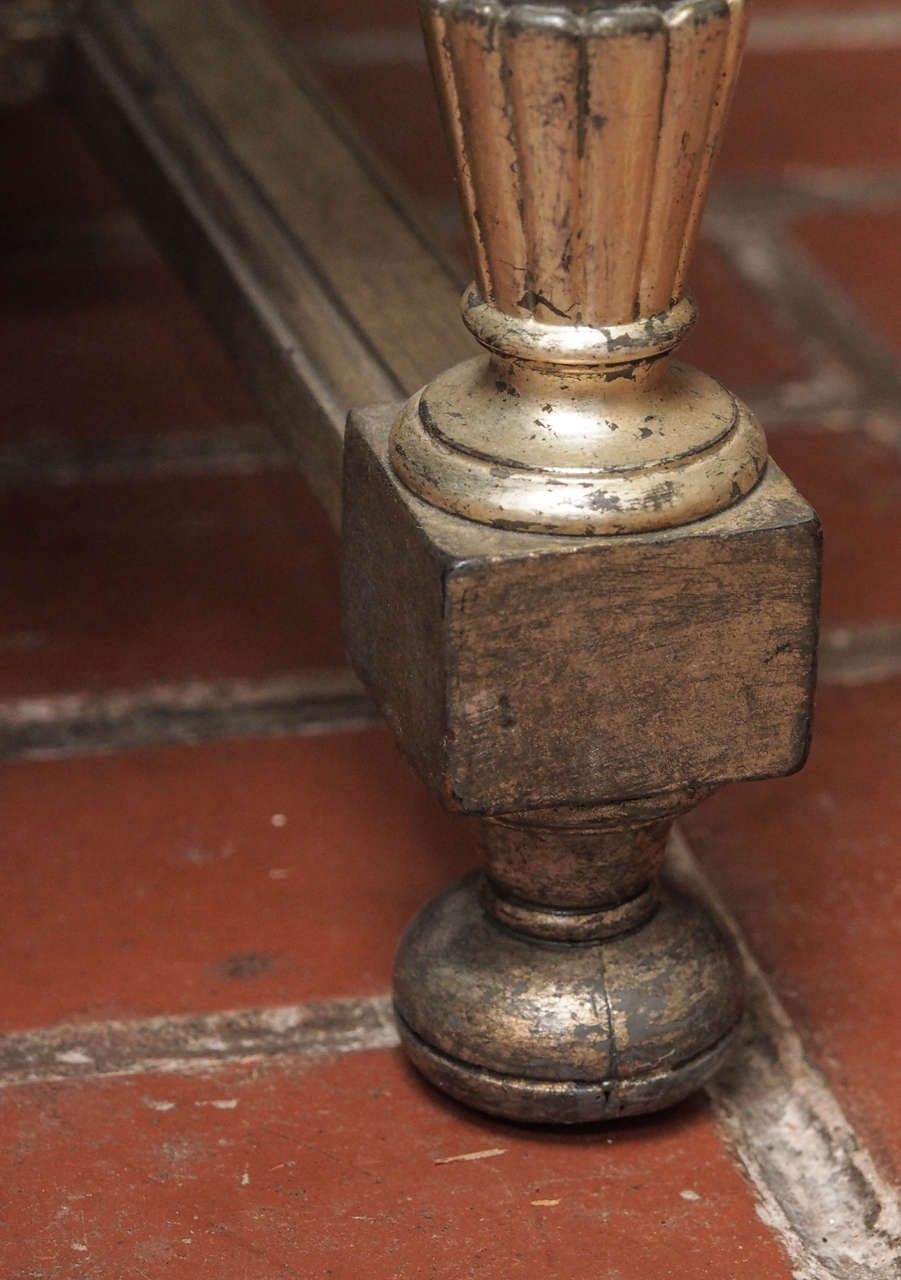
[(521, 670)]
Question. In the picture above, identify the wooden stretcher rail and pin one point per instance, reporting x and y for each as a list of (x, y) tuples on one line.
[(323, 287)]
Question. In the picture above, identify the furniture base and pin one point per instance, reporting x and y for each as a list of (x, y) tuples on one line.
[(566, 1033)]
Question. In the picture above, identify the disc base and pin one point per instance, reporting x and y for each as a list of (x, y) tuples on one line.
[(566, 1033), (562, 1101)]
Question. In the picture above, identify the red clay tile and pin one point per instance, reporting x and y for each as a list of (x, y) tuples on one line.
[(861, 251), (815, 108), (110, 347), (855, 486), (48, 167), (809, 866), (156, 881), (331, 1171), (112, 586), (101, 345), (737, 339)]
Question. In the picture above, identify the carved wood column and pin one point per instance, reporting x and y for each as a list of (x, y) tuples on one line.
[(575, 584)]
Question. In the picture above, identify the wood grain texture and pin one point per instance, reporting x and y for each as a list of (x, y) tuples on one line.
[(526, 670)]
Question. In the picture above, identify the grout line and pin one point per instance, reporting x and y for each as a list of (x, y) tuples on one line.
[(309, 702), (758, 249), (762, 197), (776, 197), (868, 654), (50, 460), (795, 30), (794, 407), (855, 368), (817, 1187), (820, 302), (306, 702), (189, 1043), (827, 398)]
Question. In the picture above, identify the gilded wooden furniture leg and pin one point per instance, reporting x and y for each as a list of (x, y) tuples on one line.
[(576, 586), (580, 593)]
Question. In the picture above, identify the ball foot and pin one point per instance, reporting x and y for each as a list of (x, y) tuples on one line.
[(565, 1033)]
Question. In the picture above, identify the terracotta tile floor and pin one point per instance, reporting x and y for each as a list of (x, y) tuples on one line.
[(810, 867), (332, 1170), (111, 585), (188, 908), (854, 483), (819, 108), (279, 895), (103, 348)]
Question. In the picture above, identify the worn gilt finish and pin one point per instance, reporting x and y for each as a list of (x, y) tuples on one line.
[(583, 142), (574, 583), (577, 589)]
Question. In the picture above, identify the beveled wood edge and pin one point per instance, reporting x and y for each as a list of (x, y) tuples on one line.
[(321, 282)]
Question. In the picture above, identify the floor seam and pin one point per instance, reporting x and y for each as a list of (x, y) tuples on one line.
[(47, 460), (322, 700), (816, 1185), (189, 1043)]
